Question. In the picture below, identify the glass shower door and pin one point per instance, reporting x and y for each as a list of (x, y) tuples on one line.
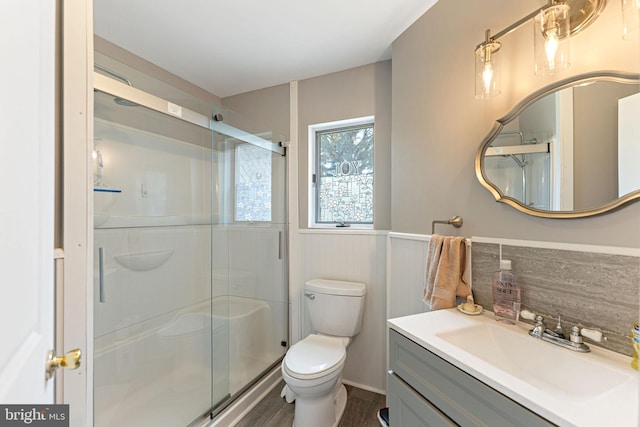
[(249, 255), (152, 263), (190, 286)]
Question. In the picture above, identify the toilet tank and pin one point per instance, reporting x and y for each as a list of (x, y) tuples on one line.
[(335, 307)]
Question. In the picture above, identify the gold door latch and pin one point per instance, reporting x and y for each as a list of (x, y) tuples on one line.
[(70, 360)]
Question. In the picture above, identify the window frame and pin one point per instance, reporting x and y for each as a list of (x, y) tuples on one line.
[(313, 150)]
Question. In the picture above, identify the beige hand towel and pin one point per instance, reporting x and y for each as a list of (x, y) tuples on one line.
[(446, 258)]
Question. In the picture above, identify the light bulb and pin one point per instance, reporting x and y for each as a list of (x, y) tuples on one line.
[(551, 39), (551, 47), (487, 76), (487, 69)]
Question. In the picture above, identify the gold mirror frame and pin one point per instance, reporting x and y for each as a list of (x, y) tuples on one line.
[(611, 76)]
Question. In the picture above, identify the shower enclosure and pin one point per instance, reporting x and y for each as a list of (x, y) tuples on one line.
[(190, 292), (519, 171)]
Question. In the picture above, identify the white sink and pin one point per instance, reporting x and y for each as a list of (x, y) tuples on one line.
[(568, 388), (541, 364)]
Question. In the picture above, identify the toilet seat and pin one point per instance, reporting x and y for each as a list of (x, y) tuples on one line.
[(315, 356)]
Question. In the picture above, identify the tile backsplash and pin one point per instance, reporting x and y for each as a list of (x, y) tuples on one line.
[(589, 288)]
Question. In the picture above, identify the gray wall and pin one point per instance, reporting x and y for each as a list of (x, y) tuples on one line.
[(358, 92), (437, 125), (269, 106), (149, 77)]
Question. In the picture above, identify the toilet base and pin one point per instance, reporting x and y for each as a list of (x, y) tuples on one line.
[(288, 395), (339, 404)]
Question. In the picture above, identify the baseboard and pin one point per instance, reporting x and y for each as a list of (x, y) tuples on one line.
[(364, 387), (235, 412)]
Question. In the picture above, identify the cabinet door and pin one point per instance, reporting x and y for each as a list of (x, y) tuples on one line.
[(408, 408), (464, 399)]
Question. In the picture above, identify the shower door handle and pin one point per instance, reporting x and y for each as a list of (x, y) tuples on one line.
[(101, 274)]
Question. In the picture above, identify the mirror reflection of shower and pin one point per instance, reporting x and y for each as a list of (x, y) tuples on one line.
[(520, 165)]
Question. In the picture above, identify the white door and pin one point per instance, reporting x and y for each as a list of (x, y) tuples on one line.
[(27, 135)]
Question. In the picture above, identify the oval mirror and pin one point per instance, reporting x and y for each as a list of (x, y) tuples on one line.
[(569, 150)]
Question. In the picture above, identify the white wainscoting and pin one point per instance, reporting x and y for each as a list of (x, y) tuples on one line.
[(357, 256), (391, 264), (406, 264)]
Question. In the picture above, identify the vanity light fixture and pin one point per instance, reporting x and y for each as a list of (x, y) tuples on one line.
[(487, 68), (554, 23), (551, 35), (630, 17)]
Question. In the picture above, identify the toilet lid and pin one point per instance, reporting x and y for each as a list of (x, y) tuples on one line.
[(315, 355)]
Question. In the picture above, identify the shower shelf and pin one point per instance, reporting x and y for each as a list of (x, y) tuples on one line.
[(144, 261), (106, 190)]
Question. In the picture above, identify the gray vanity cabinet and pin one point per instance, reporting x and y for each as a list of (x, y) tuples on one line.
[(426, 390)]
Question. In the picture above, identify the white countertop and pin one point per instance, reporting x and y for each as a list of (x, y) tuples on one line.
[(619, 406)]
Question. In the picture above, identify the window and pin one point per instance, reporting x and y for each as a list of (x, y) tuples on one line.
[(341, 168), (253, 183)]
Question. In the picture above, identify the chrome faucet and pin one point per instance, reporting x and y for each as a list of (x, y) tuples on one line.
[(539, 328), (556, 336)]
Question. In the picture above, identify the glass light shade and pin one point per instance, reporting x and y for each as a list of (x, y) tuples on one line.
[(630, 17), (551, 39), (487, 70)]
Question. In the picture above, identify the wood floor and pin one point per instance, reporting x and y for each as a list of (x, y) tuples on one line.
[(274, 411)]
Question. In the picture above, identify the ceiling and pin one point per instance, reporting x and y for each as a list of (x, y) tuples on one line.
[(236, 46)]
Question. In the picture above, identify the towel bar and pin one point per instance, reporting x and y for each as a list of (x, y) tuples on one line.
[(456, 221)]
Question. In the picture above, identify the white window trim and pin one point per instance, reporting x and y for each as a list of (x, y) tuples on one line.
[(313, 129)]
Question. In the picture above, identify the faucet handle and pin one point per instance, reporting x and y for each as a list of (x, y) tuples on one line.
[(575, 336), (593, 335), (538, 328)]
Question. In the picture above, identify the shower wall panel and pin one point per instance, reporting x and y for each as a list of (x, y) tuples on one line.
[(152, 261), (163, 181)]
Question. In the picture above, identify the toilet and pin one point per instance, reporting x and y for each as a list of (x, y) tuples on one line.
[(312, 368)]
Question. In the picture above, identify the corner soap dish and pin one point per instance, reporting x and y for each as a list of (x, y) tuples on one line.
[(471, 313)]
